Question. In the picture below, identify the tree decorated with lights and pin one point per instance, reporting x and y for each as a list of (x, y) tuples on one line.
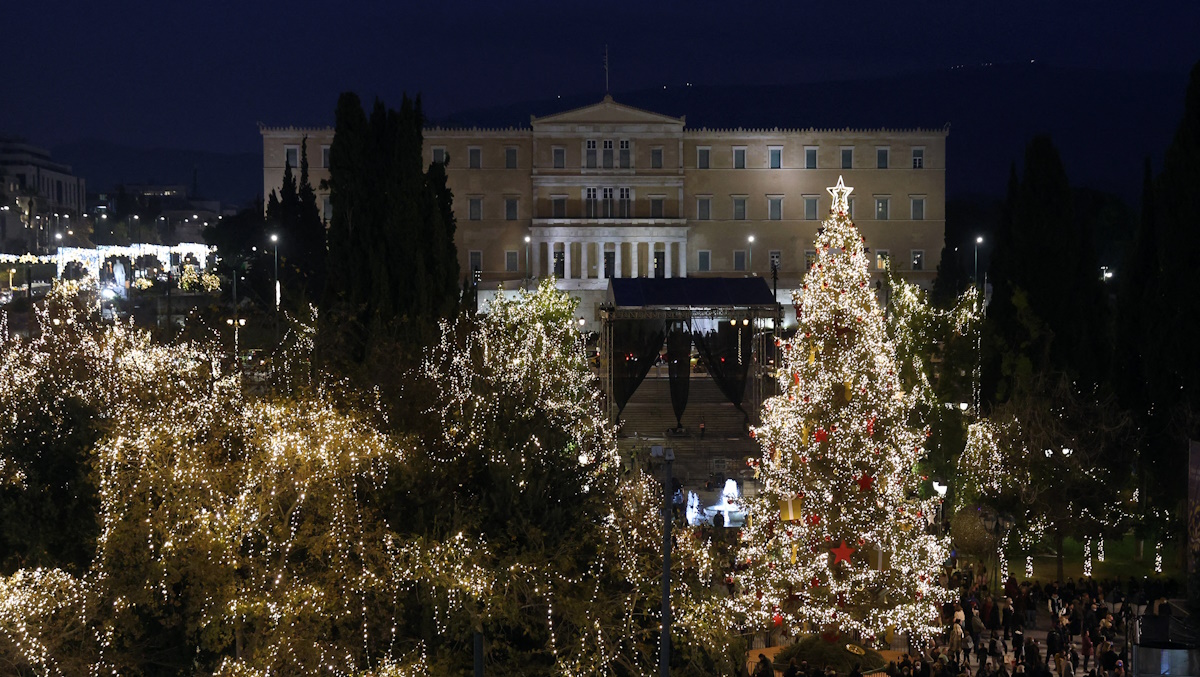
[(839, 493)]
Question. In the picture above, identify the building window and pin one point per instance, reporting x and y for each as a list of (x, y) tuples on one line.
[(882, 259), (291, 156), (510, 158), (325, 157), (918, 259), (607, 208), (810, 258), (560, 157), (918, 209), (775, 208), (624, 209), (703, 208), (739, 209), (475, 208), (558, 206), (439, 155), (775, 157), (511, 261), (510, 208), (739, 259), (739, 157), (704, 260), (847, 158), (881, 157), (881, 208), (918, 158), (608, 154), (810, 157), (475, 258), (656, 158), (702, 157), (327, 208), (626, 160), (475, 158), (590, 153), (810, 207), (656, 208), (776, 259), (590, 209)]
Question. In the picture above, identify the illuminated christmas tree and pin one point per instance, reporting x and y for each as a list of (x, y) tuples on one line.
[(837, 537)]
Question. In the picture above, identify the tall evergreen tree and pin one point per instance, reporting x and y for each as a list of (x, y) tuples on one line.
[(392, 264), (306, 239)]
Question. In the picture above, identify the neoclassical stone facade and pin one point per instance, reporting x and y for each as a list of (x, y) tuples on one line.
[(609, 190)]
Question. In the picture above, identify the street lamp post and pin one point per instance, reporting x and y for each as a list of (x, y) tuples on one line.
[(750, 256), (528, 267), (979, 331), (275, 242), (978, 241)]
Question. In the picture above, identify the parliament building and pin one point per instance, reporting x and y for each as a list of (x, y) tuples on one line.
[(612, 191)]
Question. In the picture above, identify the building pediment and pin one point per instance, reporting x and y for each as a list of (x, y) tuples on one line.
[(606, 112)]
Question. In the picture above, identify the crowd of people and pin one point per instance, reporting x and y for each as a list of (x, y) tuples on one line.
[(1087, 625)]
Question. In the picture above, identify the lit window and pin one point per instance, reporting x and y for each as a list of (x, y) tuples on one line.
[(475, 158), (882, 259)]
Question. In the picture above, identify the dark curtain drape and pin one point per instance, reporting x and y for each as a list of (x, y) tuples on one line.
[(679, 363), (726, 352), (636, 344)]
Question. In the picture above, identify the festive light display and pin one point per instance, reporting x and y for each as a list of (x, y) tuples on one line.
[(862, 558)]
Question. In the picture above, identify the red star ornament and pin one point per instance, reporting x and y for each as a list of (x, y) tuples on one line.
[(842, 553), (865, 482)]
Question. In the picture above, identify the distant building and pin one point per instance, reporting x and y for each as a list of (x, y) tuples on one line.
[(42, 195), (609, 190)]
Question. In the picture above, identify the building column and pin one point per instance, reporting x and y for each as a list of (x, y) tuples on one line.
[(617, 247), (683, 258), (535, 246), (567, 260), (583, 259), (634, 246), (600, 259), (667, 256)]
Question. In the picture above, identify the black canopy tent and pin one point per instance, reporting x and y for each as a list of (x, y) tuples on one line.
[(722, 317)]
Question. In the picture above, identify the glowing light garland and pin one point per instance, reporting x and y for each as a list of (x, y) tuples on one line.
[(837, 439)]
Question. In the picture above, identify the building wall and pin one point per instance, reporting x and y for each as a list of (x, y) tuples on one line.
[(580, 230)]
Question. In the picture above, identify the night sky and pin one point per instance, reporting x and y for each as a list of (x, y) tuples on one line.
[(199, 75)]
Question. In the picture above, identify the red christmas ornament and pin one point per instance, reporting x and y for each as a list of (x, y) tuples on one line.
[(778, 618), (865, 482), (871, 426), (814, 519), (796, 377), (815, 582), (820, 435), (842, 553)]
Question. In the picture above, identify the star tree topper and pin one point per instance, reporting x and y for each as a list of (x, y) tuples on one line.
[(840, 193)]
